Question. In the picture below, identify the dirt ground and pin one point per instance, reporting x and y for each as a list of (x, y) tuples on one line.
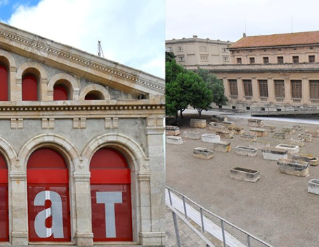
[(277, 208)]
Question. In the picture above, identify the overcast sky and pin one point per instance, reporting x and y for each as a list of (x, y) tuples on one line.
[(132, 32), (229, 19)]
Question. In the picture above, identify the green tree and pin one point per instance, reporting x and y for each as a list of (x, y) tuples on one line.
[(169, 56), (172, 69), (215, 85)]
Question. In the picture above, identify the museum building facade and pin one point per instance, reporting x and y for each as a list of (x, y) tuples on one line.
[(81, 147)]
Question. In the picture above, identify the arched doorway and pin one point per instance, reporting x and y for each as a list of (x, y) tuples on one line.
[(48, 196), (4, 213), (111, 196)]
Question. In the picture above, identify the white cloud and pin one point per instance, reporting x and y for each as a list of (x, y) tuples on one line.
[(129, 30)]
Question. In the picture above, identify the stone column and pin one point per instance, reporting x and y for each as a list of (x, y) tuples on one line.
[(271, 90), (15, 86), (226, 87), (305, 91), (19, 208), (145, 201), (82, 209), (255, 89), (287, 91), (240, 88)]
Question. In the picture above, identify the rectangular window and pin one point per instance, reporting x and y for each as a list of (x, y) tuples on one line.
[(204, 57), (252, 60), (263, 88), (279, 89), (239, 60), (202, 48), (233, 87), (280, 59), (311, 58), (314, 89), (248, 89), (295, 59), (181, 59), (224, 49), (225, 58), (179, 48), (266, 59), (296, 90)]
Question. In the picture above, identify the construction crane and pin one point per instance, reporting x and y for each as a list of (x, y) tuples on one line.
[(99, 49)]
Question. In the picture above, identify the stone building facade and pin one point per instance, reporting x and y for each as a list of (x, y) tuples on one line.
[(81, 147), (274, 72), (196, 51)]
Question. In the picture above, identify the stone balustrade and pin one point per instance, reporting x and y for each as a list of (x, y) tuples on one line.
[(271, 153), (245, 174), (203, 153), (313, 186), (210, 138), (192, 135), (174, 140), (250, 138), (311, 159), (198, 123), (247, 151), (292, 149), (293, 167), (171, 130), (258, 132), (222, 146), (255, 122)]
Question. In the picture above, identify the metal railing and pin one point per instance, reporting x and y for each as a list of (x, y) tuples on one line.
[(206, 220)]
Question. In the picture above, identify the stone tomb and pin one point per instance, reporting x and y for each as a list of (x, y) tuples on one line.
[(313, 132), (236, 130), (258, 132), (214, 126), (255, 122), (297, 127), (222, 146), (210, 138), (270, 128), (229, 124), (293, 167), (289, 130), (279, 135), (271, 153), (306, 137), (260, 144), (313, 161), (174, 140), (248, 151), (313, 186), (297, 141), (198, 123), (250, 138), (225, 134), (192, 135), (203, 153), (245, 174), (172, 130), (292, 149)]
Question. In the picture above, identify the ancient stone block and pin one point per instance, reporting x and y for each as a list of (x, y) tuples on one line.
[(313, 160), (172, 130), (313, 186), (306, 137), (293, 167), (270, 128), (203, 153), (225, 134), (258, 132), (313, 132), (241, 150), (271, 153), (214, 126), (260, 144), (292, 149), (192, 135), (279, 135), (222, 146), (198, 123), (174, 140), (288, 130), (229, 124), (245, 174), (236, 130), (250, 138), (210, 138), (255, 122), (297, 127), (297, 141)]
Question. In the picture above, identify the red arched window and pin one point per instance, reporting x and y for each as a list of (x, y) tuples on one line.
[(3, 83), (60, 92), (111, 196), (48, 196), (29, 87), (4, 209)]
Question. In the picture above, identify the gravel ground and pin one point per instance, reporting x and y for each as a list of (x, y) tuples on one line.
[(277, 208)]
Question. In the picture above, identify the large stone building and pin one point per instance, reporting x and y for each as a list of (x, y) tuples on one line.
[(196, 51), (81, 147), (273, 72)]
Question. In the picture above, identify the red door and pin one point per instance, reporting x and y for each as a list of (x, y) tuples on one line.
[(111, 196), (48, 196), (4, 213), (3, 83)]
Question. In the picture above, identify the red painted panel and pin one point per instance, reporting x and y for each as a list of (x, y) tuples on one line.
[(29, 88), (62, 190), (108, 158), (110, 176), (43, 176), (46, 158), (3, 83), (4, 212), (60, 93), (3, 163), (123, 214)]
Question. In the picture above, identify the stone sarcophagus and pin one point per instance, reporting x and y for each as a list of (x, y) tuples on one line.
[(229, 124), (289, 130), (292, 149), (225, 134), (171, 130), (311, 159), (250, 138), (222, 146), (270, 128), (297, 141), (313, 132), (247, 151), (236, 130), (271, 153), (313, 186), (297, 127), (306, 137), (198, 123), (293, 167), (279, 135), (245, 174), (194, 135), (210, 138), (258, 132), (203, 153), (214, 126), (174, 140), (255, 122)]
